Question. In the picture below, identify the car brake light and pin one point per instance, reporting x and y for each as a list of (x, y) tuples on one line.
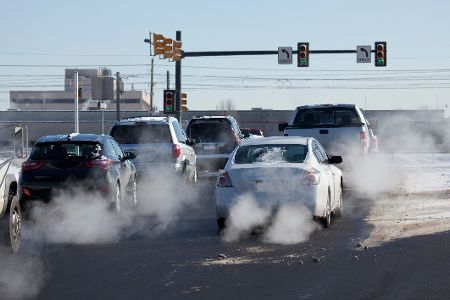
[(32, 165), (176, 151), (362, 137), (26, 192), (224, 180), (311, 177), (102, 163)]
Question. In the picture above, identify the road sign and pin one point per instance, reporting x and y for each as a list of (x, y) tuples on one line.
[(284, 55), (363, 54)]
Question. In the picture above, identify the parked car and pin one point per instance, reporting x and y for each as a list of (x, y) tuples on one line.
[(252, 132), (340, 128), (277, 170), (95, 163), (159, 143), (215, 138), (10, 212)]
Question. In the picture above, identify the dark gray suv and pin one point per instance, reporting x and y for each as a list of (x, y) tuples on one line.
[(215, 138)]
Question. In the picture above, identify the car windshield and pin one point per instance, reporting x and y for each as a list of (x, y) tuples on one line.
[(334, 116), (210, 131), (286, 153), (142, 133), (66, 150)]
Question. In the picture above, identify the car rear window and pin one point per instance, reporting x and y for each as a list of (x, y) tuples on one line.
[(141, 133), (287, 153), (327, 116), (210, 131), (66, 150)]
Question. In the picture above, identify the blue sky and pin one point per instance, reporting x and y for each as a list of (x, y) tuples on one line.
[(105, 33)]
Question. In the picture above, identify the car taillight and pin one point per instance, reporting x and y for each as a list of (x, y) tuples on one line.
[(102, 163), (32, 165), (235, 139), (224, 180), (311, 177), (26, 192), (176, 151)]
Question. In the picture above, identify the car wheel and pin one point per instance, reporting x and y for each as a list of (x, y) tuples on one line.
[(116, 201), (221, 223), (15, 225), (326, 220), (133, 193)]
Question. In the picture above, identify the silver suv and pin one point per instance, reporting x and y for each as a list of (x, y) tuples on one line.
[(215, 138), (159, 143)]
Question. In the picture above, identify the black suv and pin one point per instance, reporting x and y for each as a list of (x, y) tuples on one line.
[(93, 162), (215, 138)]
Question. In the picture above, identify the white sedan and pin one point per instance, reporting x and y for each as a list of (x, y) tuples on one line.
[(278, 170)]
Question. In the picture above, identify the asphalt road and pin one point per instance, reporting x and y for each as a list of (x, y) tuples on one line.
[(185, 263)]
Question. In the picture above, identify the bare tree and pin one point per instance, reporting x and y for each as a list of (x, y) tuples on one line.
[(227, 107)]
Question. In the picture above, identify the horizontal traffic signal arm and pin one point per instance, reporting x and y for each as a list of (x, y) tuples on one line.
[(259, 52)]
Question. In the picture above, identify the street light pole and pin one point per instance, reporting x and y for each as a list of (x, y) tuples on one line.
[(77, 127)]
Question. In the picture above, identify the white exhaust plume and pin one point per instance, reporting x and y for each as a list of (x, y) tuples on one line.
[(292, 224), (245, 215), (76, 217), (166, 197), (21, 275)]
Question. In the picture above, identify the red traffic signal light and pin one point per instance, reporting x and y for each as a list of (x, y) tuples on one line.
[(380, 54), (169, 101), (303, 54)]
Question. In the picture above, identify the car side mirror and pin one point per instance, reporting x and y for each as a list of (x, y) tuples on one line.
[(282, 126), (334, 160), (129, 155)]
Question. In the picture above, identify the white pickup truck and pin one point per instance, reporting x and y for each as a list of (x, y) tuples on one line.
[(341, 128), (10, 216)]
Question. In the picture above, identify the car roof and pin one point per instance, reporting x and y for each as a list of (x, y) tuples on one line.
[(75, 137), (326, 105), (276, 140), (134, 120), (212, 117)]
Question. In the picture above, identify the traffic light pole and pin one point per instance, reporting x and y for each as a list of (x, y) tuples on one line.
[(261, 52), (178, 83)]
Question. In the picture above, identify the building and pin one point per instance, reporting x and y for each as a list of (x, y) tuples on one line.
[(130, 100)]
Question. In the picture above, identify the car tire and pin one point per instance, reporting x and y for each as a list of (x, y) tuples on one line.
[(15, 224), (116, 199), (11, 226), (221, 223), (133, 201), (326, 220)]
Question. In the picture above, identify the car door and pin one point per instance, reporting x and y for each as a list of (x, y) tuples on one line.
[(186, 150), (325, 168), (125, 164), (333, 176), (116, 170)]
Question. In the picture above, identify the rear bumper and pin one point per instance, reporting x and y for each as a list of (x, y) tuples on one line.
[(226, 197), (211, 164)]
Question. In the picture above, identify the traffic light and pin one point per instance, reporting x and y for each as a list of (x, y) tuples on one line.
[(158, 44), (177, 53), (169, 101), (184, 102), (303, 54), (167, 48), (380, 54)]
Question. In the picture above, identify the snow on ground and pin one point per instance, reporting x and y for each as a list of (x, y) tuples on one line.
[(421, 203)]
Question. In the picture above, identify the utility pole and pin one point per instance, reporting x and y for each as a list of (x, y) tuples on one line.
[(178, 83), (118, 96), (168, 79), (149, 41), (77, 127)]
